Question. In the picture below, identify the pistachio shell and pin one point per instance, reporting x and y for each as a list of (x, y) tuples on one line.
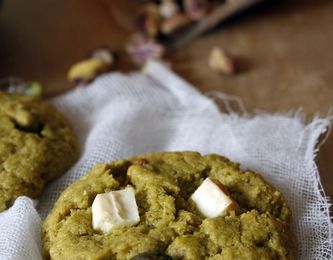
[(220, 61), (103, 54), (34, 88), (174, 23), (86, 70), (168, 8), (15, 85), (148, 18)]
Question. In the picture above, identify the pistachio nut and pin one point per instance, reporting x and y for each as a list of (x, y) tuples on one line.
[(148, 18), (104, 54), (195, 9), (174, 23), (220, 61), (86, 70), (168, 8)]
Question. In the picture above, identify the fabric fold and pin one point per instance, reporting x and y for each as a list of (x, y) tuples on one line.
[(121, 115)]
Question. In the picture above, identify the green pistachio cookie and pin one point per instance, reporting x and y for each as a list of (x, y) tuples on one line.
[(36, 145), (171, 224)]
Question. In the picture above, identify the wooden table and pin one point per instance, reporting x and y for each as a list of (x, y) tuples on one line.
[(285, 53)]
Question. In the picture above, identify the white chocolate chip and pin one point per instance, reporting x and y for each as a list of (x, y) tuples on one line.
[(115, 209), (211, 199)]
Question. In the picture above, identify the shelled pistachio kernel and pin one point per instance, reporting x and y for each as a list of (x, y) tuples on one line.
[(220, 61)]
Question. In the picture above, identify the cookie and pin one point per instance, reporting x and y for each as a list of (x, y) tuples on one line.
[(170, 225), (36, 145)]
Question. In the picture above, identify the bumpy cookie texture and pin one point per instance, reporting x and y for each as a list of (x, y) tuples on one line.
[(169, 222), (36, 145)]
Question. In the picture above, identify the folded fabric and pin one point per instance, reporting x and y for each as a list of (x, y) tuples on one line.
[(122, 115)]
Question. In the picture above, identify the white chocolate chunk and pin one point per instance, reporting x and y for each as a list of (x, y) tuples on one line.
[(211, 199), (115, 209)]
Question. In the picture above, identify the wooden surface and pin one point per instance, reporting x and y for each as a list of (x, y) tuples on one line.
[(284, 51)]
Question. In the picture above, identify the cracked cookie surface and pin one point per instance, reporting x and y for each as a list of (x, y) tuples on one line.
[(169, 222), (36, 145)]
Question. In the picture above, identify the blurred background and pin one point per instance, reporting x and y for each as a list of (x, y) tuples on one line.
[(283, 51)]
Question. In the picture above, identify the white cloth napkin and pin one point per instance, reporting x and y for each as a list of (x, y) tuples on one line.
[(122, 115)]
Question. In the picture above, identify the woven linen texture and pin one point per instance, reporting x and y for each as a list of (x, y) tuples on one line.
[(123, 115)]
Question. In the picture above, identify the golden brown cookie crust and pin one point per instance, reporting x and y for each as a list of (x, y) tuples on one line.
[(169, 222), (37, 145)]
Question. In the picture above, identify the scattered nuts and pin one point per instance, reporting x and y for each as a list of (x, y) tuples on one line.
[(158, 22), (142, 48), (195, 9), (221, 62), (168, 8), (85, 71), (103, 54), (174, 23)]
